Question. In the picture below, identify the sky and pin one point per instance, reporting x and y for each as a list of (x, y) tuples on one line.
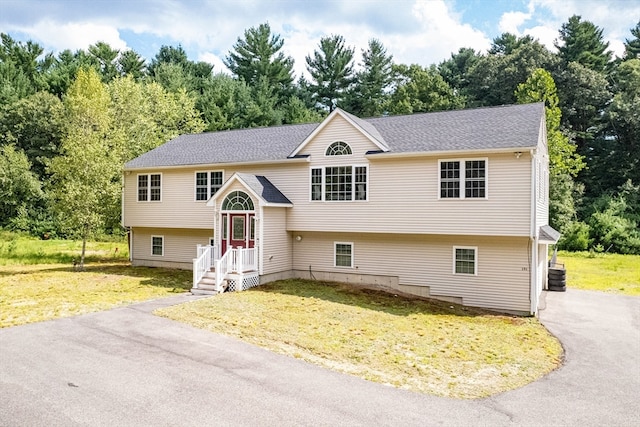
[(423, 32)]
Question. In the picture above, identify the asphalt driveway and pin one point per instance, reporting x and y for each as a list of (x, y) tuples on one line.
[(126, 367)]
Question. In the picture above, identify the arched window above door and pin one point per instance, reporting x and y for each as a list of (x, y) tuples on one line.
[(237, 201)]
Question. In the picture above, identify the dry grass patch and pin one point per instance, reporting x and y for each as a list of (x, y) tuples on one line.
[(32, 293), (425, 346)]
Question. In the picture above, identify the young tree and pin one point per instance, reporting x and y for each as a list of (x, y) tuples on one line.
[(582, 42), (331, 68), (370, 92), (258, 56), (564, 162), (84, 189)]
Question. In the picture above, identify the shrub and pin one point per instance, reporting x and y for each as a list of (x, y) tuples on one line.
[(575, 237)]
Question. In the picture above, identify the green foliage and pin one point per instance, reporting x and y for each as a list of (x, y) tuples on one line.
[(19, 187), (615, 222), (331, 70), (582, 42), (368, 97), (632, 47), (35, 124), (84, 190), (493, 79), (455, 70), (575, 237), (257, 59), (562, 154), (420, 90)]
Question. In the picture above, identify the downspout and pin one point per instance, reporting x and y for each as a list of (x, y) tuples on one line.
[(260, 254), (533, 240), (129, 230)]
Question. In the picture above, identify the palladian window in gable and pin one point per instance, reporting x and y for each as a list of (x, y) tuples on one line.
[(338, 148)]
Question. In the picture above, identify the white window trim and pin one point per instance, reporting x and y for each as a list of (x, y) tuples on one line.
[(475, 262), (148, 187), (338, 155), (153, 237), (195, 184), (323, 182), (335, 247), (463, 178)]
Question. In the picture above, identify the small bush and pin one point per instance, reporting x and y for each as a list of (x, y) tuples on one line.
[(575, 237)]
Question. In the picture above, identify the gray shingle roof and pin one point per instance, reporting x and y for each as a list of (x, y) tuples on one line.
[(264, 188), (549, 234), (504, 127)]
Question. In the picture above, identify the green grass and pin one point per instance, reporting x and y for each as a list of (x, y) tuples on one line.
[(38, 281), (425, 346), (602, 272)]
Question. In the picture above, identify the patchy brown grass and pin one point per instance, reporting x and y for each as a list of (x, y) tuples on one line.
[(425, 346)]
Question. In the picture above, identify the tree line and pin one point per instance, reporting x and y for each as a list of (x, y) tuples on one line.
[(68, 122)]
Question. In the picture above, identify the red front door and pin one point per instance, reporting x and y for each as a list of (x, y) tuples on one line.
[(238, 230)]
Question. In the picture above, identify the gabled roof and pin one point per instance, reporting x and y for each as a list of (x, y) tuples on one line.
[(267, 193), (369, 131), (482, 129)]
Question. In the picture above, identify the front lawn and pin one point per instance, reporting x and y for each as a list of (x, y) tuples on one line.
[(38, 280), (425, 346)]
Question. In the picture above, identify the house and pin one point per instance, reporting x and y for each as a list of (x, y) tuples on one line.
[(448, 205)]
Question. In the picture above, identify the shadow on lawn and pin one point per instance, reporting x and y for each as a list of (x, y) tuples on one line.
[(179, 280), (370, 299)]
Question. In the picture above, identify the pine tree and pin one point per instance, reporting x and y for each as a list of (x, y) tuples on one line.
[(258, 56), (331, 69), (582, 42)]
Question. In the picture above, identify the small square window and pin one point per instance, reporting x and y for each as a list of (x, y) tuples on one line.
[(344, 254)]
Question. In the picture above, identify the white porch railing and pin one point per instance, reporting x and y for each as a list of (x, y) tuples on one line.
[(238, 260), (206, 257)]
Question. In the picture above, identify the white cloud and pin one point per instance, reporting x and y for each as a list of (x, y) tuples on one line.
[(510, 21), (74, 36), (215, 60)]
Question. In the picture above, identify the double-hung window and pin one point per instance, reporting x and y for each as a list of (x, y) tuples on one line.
[(343, 253), (463, 179), (207, 183), (339, 183), (465, 260), (150, 187), (157, 245)]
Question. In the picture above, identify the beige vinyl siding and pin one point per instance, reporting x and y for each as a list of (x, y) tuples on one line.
[(276, 242), (179, 246), (403, 198), (178, 207), (502, 282), (338, 129), (402, 194)]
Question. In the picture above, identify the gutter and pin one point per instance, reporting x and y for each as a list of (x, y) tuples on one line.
[(389, 155), (221, 165)]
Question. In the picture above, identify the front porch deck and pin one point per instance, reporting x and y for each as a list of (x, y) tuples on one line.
[(235, 270)]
